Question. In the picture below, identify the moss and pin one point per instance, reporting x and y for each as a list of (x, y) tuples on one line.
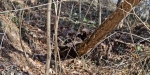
[(15, 3), (15, 20)]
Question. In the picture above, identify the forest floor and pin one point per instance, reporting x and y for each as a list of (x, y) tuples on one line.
[(121, 53)]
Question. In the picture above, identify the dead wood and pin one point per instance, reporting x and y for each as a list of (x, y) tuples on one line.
[(107, 26)]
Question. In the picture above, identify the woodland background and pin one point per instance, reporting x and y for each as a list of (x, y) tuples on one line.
[(74, 37)]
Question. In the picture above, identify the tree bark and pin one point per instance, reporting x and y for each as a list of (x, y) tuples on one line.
[(49, 52), (119, 2), (80, 6), (107, 26), (100, 12)]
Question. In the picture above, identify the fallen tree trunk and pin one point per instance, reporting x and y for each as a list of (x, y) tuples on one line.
[(107, 26)]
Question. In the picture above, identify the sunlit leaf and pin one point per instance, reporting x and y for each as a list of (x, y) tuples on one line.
[(139, 48)]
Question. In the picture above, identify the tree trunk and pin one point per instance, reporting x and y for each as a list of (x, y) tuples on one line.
[(107, 26), (100, 12), (49, 52), (149, 14), (80, 4), (119, 2)]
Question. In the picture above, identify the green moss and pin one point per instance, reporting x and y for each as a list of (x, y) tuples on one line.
[(15, 3), (15, 20)]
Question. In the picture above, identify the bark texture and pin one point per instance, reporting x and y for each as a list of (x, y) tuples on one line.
[(48, 59), (107, 26)]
